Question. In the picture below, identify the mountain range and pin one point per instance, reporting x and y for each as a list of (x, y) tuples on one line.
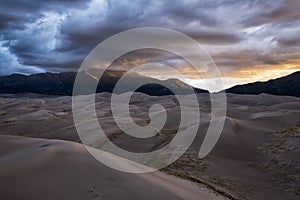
[(285, 86), (62, 84)]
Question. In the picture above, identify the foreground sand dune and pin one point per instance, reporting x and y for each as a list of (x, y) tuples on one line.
[(257, 156), (54, 169)]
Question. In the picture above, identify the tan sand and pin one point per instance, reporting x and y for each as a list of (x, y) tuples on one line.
[(54, 169), (252, 160)]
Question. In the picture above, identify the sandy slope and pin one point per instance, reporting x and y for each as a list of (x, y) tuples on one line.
[(255, 158), (54, 169)]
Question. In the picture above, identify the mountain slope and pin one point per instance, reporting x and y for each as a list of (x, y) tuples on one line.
[(288, 85), (62, 83)]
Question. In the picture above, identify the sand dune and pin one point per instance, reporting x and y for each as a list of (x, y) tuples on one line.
[(54, 169), (257, 156)]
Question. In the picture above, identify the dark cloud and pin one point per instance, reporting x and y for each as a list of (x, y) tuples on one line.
[(293, 41), (56, 35), (15, 13), (273, 12), (188, 13), (216, 37), (23, 32), (270, 59), (6, 19)]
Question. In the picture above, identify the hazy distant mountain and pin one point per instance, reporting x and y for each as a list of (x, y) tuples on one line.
[(62, 83), (287, 85)]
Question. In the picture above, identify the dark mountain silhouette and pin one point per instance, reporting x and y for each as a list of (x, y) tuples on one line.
[(62, 83), (288, 86)]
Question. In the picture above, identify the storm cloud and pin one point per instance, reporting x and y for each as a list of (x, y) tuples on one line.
[(38, 36)]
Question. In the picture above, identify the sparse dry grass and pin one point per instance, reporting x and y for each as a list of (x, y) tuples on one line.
[(280, 163), (191, 168)]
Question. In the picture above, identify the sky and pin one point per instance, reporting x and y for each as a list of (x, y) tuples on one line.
[(249, 40)]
